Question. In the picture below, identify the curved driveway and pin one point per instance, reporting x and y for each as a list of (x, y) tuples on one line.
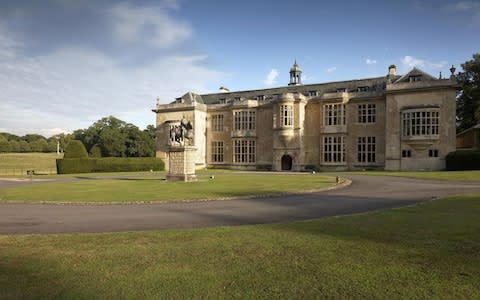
[(366, 193)]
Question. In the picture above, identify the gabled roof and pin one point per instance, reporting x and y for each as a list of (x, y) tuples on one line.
[(474, 127), (190, 98), (415, 72)]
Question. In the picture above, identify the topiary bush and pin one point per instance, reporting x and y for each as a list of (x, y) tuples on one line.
[(75, 149), (96, 151), (109, 164), (463, 160)]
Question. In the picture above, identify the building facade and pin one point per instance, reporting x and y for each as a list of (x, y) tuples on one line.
[(392, 122)]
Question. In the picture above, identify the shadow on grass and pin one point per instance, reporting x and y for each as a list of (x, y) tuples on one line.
[(119, 178), (29, 277)]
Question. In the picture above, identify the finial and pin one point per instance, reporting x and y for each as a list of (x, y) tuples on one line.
[(158, 100), (452, 70), (440, 75)]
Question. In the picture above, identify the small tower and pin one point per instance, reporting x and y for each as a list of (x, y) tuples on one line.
[(295, 74), (392, 70)]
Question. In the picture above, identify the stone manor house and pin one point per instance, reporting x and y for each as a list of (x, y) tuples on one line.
[(393, 122)]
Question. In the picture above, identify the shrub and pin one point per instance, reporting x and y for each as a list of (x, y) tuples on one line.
[(75, 149), (96, 151), (463, 160), (108, 164), (310, 168), (266, 167)]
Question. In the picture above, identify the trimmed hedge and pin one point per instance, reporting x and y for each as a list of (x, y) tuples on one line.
[(96, 151), (463, 160), (108, 164), (75, 149)]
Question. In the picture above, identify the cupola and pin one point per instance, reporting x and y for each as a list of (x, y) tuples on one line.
[(295, 74)]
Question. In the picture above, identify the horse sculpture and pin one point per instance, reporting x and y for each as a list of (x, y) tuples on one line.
[(180, 134)]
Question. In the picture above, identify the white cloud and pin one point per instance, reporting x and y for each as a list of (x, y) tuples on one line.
[(153, 25), (470, 11), (466, 6), (410, 62), (48, 132), (271, 77), (438, 65), (369, 61), (8, 45), (72, 88), (307, 78), (331, 70), (69, 88)]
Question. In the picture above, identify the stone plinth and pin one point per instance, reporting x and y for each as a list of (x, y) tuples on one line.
[(181, 163)]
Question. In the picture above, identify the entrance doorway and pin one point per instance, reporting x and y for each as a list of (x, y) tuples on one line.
[(287, 163)]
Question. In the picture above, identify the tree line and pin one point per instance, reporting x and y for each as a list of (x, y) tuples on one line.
[(106, 137), (468, 100), (27, 143)]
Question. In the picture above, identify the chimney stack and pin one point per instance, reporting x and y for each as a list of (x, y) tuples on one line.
[(392, 70)]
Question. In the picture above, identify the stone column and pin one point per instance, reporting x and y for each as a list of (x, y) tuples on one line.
[(181, 163)]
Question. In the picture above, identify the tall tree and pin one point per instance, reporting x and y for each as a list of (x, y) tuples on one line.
[(4, 144), (117, 138), (32, 137), (39, 145), (468, 101)]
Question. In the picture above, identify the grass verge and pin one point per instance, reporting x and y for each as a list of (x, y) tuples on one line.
[(426, 251), (150, 188), (434, 175)]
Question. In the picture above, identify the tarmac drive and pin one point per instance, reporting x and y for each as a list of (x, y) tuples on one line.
[(366, 193)]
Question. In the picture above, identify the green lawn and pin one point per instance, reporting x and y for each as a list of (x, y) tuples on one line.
[(151, 187), (428, 251), (435, 175), (17, 164)]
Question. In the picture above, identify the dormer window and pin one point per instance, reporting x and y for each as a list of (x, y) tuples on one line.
[(363, 88), (414, 78), (341, 90), (261, 97), (312, 93), (238, 98), (222, 100)]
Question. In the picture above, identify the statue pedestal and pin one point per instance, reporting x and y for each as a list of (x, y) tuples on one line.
[(181, 163)]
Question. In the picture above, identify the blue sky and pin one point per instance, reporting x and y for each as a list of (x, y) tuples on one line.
[(65, 64)]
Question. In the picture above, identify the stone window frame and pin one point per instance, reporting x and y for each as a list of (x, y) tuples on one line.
[(421, 123), (217, 151), (366, 149), (286, 113), (312, 93), (334, 149), (244, 120), (367, 113), (244, 151), (364, 88), (334, 114), (406, 153), (433, 153), (218, 122), (414, 78)]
